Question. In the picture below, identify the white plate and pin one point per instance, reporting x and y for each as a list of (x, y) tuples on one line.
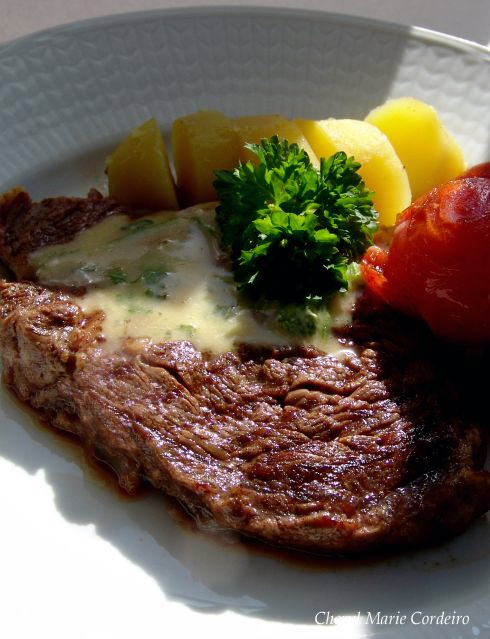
[(78, 560)]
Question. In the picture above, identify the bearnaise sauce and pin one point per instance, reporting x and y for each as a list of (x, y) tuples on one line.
[(163, 277)]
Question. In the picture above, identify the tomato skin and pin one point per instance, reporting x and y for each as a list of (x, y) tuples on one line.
[(438, 263), (479, 170)]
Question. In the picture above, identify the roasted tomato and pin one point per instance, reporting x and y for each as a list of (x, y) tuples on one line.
[(438, 263)]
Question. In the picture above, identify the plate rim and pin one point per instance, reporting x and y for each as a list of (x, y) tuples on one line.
[(76, 27)]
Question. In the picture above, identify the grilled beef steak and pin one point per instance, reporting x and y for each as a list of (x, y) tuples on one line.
[(381, 447), (26, 226)]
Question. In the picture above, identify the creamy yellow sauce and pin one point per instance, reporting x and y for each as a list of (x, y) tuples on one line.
[(160, 278)]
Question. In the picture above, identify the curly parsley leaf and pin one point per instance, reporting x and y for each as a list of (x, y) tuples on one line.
[(293, 229)]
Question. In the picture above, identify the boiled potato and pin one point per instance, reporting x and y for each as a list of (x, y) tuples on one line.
[(202, 142), (427, 150), (381, 168), (138, 171), (253, 128)]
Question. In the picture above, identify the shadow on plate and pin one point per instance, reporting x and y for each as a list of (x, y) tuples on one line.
[(217, 572)]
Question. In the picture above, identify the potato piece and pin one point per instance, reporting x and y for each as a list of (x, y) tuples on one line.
[(253, 128), (202, 142), (381, 169), (138, 170), (427, 150)]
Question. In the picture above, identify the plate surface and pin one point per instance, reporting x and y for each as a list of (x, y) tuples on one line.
[(79, 560)]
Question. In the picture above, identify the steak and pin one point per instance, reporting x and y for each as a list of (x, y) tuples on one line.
[(26, 226), (383, 446)]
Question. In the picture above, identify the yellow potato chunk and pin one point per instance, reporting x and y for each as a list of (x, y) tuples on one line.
[(138, 171), (425, 147), (381, 168), (253, 128), (202, 142)]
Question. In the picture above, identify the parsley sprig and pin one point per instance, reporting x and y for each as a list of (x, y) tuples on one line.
[(293, 229)]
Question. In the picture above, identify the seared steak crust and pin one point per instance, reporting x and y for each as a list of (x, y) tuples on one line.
[(383, 446), (296, 448)]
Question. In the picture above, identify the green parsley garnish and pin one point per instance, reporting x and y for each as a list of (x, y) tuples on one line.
[(293, 229)]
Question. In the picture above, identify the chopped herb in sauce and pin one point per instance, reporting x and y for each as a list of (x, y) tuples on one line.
[(116, 275), (137, 225)]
